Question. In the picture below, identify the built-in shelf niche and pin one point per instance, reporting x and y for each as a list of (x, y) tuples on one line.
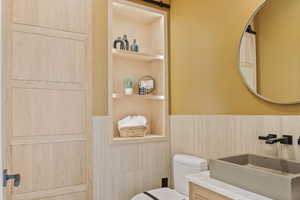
[(148, 26)]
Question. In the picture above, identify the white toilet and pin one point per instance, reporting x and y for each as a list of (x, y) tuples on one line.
[(183, 165)]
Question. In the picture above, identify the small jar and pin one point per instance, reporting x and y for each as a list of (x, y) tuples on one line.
[(128, 91)]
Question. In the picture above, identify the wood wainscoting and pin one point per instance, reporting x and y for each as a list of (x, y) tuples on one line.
[(124, 170), (215, 136)]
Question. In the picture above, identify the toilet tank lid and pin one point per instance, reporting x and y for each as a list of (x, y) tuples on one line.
[(191, 161)]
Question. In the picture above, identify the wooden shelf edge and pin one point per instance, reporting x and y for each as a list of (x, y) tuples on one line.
[(137, 56), (134, 140), (149, 97)]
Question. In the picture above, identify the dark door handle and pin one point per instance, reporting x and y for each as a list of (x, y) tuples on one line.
[(7, 177)]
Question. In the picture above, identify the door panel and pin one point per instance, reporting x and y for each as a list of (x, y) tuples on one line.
[(77, 196), (53, 164), (66, 193), (47, 99), (67, 15), (38, 57), (39, 112)]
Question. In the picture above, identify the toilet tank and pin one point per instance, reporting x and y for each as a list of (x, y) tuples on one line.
[(184, 165)]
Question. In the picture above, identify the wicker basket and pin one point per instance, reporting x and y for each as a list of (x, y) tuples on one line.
[(139, 131)]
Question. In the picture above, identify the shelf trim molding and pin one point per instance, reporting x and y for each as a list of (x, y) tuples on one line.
[(146, 139), (137, 56), (151, 97)]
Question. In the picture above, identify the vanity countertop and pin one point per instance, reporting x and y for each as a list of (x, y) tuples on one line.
[(204, 180)]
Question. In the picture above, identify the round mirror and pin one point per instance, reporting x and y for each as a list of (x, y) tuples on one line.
[(269, 58)]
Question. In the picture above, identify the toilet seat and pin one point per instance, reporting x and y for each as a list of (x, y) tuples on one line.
[(161, 194)]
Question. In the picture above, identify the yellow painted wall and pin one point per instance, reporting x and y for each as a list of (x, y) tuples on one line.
[(205, 36), (100, 14), (204, 78), (278, 34)]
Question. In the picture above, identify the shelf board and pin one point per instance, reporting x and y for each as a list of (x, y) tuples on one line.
[(148, 138), (135, 13), (150, 97), (136, 55)]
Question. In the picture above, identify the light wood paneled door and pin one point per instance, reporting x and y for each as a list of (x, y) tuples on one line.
[(47, 99)]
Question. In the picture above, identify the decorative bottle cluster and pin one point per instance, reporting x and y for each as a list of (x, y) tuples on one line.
[(145, 86), (123, 44)]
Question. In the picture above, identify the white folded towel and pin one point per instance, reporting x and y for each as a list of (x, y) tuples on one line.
[(132, 121)]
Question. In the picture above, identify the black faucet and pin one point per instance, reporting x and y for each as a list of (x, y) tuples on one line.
[(270, 136), (285, 139)]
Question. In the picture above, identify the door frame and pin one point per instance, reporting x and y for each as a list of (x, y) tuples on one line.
[(1, 101)]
